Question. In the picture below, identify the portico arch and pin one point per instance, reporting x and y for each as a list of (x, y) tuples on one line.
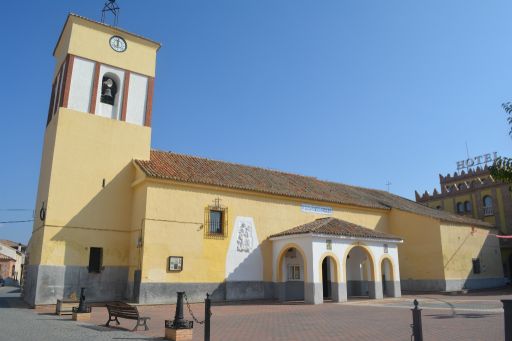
[(360, 275), (390, 284), (291, 273), (330, 278)]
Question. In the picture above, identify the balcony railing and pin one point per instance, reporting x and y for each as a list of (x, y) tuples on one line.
[(488, 211)]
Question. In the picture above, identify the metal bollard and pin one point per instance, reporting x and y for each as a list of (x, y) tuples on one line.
[(207, 313), (507, 307), (417, 331)]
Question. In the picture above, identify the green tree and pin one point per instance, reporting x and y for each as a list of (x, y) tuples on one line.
[(502, 167)]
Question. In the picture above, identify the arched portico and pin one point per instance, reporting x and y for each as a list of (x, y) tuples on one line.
[(291, 273), (360, 275), (330, 277), (337, 259), (390, 283)]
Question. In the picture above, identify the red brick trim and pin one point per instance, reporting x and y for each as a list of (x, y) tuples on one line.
[(58, 88), (149, 101), (95, 80), (125, 95), (67, 80), (50, 108)]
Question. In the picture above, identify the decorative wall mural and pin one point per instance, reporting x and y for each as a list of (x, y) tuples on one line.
[(244, 242), (244, 261)]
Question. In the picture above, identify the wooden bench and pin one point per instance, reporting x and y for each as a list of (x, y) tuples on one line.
[(126, 311), (65, 307)]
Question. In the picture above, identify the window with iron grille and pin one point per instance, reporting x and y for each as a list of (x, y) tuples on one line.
[(216, 222)]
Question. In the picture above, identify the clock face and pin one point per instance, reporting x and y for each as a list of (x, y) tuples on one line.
[(118, 44)]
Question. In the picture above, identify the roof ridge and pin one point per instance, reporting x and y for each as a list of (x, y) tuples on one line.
[(237, 164), (327, 221), (202, 170)]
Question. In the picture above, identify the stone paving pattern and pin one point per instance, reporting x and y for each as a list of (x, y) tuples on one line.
[(469, 317)]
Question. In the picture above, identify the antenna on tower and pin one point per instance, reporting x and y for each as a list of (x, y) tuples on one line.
[(110, 6)]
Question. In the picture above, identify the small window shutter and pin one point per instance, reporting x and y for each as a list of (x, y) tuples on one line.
[(95, 259), (476, 265)]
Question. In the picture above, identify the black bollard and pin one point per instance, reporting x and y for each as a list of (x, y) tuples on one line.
[(417, 331), (82, 308), (178, 316), (179, 322), (507, 308), (207, 313)]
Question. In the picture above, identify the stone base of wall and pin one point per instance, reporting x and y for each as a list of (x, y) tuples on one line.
[(358, 288), (45, 284), (438, 285), (158, 293), (475, 283)]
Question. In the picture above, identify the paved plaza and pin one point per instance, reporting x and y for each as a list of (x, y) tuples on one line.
[(476, 316)]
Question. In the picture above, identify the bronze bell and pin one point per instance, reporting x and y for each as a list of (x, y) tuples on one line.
[(108, 92)]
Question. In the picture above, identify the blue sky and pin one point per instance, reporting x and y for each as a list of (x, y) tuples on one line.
[(359, 92)]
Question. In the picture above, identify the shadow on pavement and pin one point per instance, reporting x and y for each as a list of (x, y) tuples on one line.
[(13, 302), (451, 316), (101, 328)]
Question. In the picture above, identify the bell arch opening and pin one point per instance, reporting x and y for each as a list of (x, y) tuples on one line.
[(110, 103)]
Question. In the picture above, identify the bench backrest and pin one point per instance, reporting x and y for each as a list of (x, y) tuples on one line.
[(124, 310)]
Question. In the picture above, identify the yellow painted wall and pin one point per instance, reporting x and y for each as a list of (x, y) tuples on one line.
[(463, 243), (35, 246), (434, 204), (80, 212), (420, 254), (138, 214), (500, 206), (70, 246), (91, 40), (489, 219), (174, 227)]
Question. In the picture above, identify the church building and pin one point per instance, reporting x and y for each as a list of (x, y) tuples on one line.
[(131, 223)]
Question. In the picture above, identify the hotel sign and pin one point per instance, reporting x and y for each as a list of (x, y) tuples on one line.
[(316, 209), (476, 161)]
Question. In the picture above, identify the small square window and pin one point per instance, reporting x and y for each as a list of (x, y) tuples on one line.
[(476, 265), (95, 259)]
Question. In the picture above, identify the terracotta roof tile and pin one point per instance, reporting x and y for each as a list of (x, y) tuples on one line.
[(192, 169), (336, 227)]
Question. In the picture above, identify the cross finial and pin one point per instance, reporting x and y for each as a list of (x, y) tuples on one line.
[(217, 202), (388, 184)]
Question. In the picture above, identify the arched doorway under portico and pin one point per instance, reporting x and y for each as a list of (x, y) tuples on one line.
[(330, 278), (386, 270), (360, 273), (291, 275)]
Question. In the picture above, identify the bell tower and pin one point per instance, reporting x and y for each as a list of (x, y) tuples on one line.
[(104, 71), (99, 121)]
